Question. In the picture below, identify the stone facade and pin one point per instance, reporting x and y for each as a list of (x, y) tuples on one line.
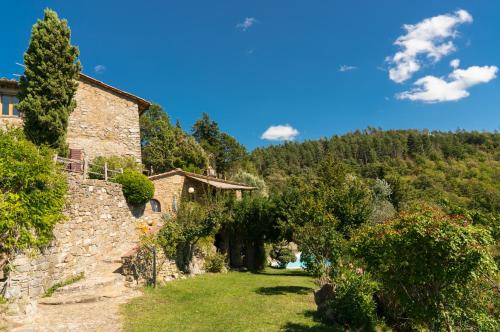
[(104, 123), (99, 226), (170, 190)]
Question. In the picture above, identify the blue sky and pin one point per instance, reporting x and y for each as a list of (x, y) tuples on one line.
[(261, 63)]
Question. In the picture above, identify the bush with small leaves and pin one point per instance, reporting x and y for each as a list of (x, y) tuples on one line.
[(435, 270), (282, 254), (137, 188), (32, 193), (351, 303), (216, 263)]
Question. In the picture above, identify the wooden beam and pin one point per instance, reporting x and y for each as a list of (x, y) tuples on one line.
[(1, 106)]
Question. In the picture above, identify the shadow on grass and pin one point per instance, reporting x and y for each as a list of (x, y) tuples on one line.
[(320, 326), (283, 272), (283, 290)]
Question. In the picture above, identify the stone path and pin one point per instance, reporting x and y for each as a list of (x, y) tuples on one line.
[(91, 304)]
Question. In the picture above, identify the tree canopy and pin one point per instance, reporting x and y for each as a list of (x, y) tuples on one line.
[(224, 150), (165, 147), (49, 82)]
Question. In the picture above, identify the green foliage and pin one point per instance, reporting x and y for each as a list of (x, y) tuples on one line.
[(66, 282), (435, 270), (224, 150), (115, 164), (352, 303), (216, 263), (251, 220), (253, 181), (49, 82), (32, 193), (459, 166), (165, 147), (321, 211), (193, 222), (281, 253), (137, 188)]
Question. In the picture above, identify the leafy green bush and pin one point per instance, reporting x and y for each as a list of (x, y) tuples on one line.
[(179, 235), (137, 188), (282, 254), (115, 163), (32, 193), (216, 263), (435, 270), (352, 303)]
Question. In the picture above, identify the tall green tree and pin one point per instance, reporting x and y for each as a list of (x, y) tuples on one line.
[(49, 82), (165, 147), (224, 150)]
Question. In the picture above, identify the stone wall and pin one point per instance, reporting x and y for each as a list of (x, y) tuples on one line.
[(99, 227), (103, 123), (176, 185), (10, 122)]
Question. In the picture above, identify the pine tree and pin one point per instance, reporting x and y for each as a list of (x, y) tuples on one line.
[(49, 82)]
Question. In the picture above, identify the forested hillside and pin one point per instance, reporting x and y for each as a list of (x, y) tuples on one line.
[(463, 167)]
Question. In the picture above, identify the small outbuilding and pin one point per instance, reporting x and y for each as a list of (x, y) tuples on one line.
[(172, 186)]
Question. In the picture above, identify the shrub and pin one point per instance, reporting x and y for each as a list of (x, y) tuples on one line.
[(216, 263), (282, 254), (192, 223), (137, 188), (115, 163), (32, 193), (351, 303), (434, 270)]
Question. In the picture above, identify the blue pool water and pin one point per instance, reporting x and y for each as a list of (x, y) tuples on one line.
[(298, 264)]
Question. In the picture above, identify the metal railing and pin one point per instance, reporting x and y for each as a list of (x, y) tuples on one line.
[(88, 169)]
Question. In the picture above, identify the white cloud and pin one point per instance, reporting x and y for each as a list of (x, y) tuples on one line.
[(432, 89), (455, 63), (430, 37), (99, 69), (280, 133), (247, 23), (344, 68)]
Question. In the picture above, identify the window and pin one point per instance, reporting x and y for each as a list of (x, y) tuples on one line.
[(155, 205), (8, 106), (5, 105), (15, 111)]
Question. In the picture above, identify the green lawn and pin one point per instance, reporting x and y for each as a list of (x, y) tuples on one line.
[(274, 300)]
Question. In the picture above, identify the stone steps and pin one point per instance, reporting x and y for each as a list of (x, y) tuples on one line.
[(106, 282), (91, 283), (87, 296)]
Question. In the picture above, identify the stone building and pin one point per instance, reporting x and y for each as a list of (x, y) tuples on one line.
[(105, 121), (172, 186)]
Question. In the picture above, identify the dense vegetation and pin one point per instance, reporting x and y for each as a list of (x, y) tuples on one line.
[(32, 193), (165, 147), (136, 187), (462, 167), (49, 82), (224, 151)]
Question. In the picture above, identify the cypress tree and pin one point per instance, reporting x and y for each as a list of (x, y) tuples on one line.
[(49, 82)]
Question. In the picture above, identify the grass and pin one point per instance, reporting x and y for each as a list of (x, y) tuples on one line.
[(66, 282), (275, 300)]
